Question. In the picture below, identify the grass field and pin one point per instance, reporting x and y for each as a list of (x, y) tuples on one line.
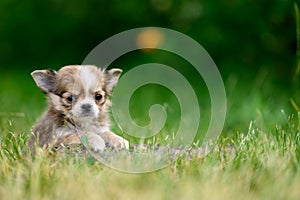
[(262, 128)]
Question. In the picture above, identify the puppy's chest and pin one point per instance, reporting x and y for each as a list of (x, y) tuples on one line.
[(93, 127)]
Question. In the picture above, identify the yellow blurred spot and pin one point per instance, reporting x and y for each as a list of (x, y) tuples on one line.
[(149, 38)]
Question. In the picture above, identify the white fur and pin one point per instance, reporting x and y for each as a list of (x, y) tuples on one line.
[(86, 126), (96, 142), (80, 114), (89, 81), (88, 78)]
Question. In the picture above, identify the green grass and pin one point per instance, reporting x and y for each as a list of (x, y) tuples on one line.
[(266, 164)]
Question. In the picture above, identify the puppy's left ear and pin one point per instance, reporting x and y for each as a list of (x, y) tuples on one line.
[(45, 79), (112, 77)]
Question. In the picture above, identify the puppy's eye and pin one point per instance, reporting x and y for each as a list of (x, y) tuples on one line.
[(71, 98), (98, 97)]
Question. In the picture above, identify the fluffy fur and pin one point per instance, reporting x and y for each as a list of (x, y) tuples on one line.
[(78, 102)]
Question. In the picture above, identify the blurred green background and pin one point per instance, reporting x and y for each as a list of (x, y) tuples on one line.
[(252, 42)]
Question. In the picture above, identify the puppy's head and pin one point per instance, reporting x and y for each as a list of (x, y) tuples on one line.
[(80, 92)]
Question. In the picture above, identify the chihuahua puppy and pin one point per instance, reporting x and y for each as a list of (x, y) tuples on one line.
[(78, 102)]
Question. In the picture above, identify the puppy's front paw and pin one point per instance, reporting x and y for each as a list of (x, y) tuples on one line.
[(95, 142), (115, 141)]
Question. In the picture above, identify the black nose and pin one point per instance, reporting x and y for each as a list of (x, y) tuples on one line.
[(86, 107)]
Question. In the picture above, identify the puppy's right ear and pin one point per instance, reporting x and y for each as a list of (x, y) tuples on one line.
[(45, 79)]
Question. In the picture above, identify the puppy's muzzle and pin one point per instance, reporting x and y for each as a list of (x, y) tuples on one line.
[(86, 107)]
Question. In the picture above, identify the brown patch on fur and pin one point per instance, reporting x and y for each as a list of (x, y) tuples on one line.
[(68, 140)]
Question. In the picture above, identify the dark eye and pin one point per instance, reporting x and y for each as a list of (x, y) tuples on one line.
[(71, 98), (98, 97)]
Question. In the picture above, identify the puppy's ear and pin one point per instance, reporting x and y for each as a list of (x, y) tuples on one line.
[(45, 79), (112, 77)]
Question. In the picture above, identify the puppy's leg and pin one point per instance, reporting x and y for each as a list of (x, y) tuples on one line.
[(115, 141), (69, 140), (95, 142)]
